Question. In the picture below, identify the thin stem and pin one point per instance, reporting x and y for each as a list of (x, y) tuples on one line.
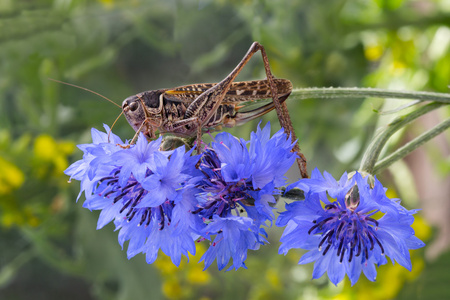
[(412, 145), (11, 269), (373, 151), (307, 93), (46, 250)]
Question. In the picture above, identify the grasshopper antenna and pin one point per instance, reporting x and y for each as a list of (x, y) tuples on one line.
[(82, 88), (110, 129)]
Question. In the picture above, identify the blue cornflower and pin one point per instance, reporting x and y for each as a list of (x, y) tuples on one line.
[(348, 226), (236, 191), (143, 190), (84, 170)]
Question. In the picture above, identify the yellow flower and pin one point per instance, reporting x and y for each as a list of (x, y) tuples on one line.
[(179, 282), (11, 177), (51, 156), (197, 276), (107, 3), (273, 278), (172, 289), (373, 52)]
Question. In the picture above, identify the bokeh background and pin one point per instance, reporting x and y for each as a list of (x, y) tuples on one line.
[(49, 247)]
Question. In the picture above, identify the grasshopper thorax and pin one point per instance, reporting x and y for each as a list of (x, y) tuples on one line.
[(143, 111)]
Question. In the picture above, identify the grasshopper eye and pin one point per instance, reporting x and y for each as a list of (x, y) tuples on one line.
[(134, 106)]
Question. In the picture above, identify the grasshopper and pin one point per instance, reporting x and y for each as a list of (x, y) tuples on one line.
[(188, 110), (184, 110)]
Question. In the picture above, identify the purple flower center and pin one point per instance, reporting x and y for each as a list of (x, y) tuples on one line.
[(347, 231), (221, 197), (129, 196)]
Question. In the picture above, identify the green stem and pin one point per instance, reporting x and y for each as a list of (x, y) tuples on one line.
[(410, 146), (307, 93), (373, 151), (46, 250), (10, 270)]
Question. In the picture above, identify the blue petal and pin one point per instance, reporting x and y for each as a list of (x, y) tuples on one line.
[(233, 241), (336, 271), (107, 215), (369, 270), (321, 266), (353, 268), (309, 257)]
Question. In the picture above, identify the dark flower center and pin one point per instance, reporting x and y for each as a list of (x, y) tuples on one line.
[(221, 197), (347, 231), (129, 196)]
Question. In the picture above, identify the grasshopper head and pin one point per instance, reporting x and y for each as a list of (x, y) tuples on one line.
[(143, 112)]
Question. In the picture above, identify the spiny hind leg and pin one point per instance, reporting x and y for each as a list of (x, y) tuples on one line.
[(282, 112)]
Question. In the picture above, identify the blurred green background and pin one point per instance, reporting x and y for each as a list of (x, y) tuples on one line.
[(49, 248)]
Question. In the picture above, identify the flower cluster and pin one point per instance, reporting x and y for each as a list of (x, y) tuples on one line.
[(348, 226), (168, 199), (139, 188)]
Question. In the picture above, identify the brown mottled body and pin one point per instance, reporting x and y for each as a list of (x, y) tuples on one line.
[(170, 114)]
